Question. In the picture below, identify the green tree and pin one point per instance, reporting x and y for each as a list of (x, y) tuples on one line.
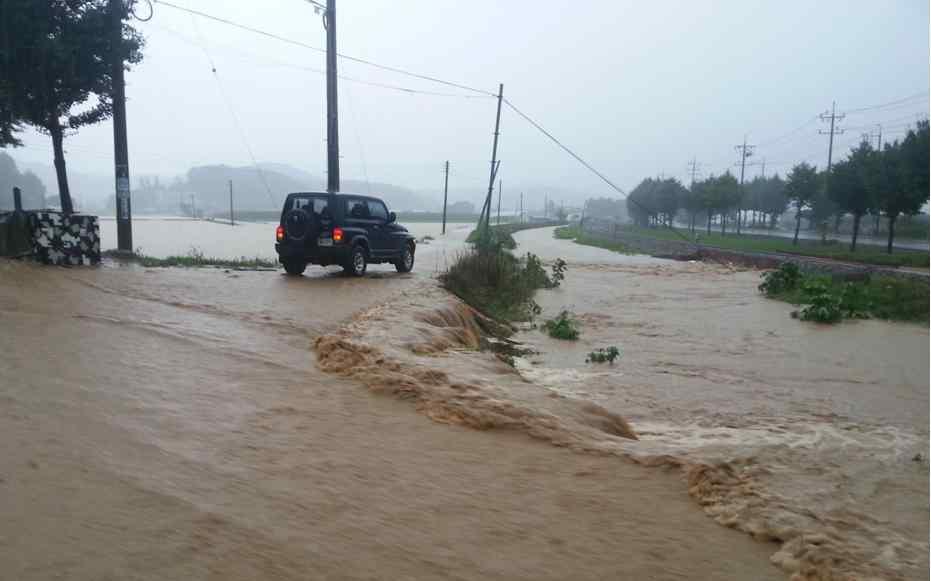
[(902, 177), (668, 196), (853, 185), (641, 203), (693, 202), (56, 68), (801, 190), (727, 196)]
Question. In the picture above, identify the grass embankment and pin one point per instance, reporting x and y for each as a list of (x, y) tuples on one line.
[(834, 250), (825, 299), (194, 259), (573, 233)]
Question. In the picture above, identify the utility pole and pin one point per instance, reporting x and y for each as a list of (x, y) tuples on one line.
[(763, 168), (494, 160), (522, 207), (332, 116), (124, 215), (232, 223), (445, 195), (833, 117), (693, 169), (498, 220), (745, 152), (193, 211)]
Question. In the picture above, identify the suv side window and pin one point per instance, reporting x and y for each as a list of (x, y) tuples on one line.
[(356, 209), (378, 211)]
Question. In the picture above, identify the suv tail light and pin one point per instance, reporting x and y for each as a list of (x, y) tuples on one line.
[(279, 233), (337, 234)]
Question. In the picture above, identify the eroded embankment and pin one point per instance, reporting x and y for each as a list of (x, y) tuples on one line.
[(425, 347)]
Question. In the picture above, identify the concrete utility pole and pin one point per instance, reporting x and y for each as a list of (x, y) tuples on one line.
[(693, 169), (232, 223), (498, 220), (445, 195), (745, 152), (124, 224), (833, 117), (332, 116), (494, 159), (522, 207)]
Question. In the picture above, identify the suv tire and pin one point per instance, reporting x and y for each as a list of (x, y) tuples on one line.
[(406, 262), (357, 261), (295, 267)]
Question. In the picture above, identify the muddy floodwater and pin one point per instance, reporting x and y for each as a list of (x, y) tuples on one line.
[(216, 424)]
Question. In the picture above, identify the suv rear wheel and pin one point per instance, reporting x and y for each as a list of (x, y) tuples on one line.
[(357, 261), (406, 262), (295, 267)]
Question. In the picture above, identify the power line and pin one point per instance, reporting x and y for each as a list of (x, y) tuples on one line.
[(236, 122), (889, 104), (320, 50)]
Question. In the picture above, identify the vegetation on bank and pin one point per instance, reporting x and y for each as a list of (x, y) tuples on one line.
[(194, 258), (825, 299), (497, 283), (575, 234), (752, 243)]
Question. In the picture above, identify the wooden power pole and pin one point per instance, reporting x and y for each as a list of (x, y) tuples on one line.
[(124, 224), (445, 195)]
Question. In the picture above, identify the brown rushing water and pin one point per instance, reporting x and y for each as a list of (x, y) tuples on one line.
[(817, 427), (175, 424)]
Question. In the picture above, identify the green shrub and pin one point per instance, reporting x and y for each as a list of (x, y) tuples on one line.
[(559, 272), (783, 279), (497, 283), (562, 327), (603, 355)]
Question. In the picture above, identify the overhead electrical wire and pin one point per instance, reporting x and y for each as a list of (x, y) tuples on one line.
[(890, 104), (320, 50)]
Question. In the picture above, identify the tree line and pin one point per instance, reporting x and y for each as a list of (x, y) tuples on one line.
[(892, 181)]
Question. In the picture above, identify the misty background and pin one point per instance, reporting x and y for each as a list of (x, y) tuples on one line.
[(636, 89)]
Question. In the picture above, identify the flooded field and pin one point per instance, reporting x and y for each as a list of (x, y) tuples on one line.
[(175, 423), (167, 236)]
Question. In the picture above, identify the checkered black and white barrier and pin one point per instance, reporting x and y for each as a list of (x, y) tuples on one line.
[(65, 239)]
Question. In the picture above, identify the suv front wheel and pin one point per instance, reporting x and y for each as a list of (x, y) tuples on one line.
[(357, 261)]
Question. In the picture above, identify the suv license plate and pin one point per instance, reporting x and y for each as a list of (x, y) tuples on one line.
[(325, 242)]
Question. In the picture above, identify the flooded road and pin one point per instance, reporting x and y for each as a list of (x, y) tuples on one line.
[(181, 424), (810, 430)]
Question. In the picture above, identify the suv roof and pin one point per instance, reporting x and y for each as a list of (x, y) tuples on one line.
[(367, 197)]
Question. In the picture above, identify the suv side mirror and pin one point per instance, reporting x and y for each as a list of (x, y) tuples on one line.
[(392, 217)]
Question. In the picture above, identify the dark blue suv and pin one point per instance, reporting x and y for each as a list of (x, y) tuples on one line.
[(345, 229)]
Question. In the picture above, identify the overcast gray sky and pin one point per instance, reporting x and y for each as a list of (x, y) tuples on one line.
[(638, 88)]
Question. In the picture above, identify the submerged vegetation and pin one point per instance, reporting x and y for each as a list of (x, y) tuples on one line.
[(563, 326), (604, 355), (827, 300), (575, 234)]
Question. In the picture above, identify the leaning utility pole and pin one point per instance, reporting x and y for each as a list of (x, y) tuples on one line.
[(332, 117), (124, 215), (445, 195), (745, 152), (498, 220), (494, 160), (232, 222)]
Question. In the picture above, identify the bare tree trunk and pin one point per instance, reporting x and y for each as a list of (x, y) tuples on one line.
[(723, 223), (709, 223), (856, 230), (60, 172), (798, 224), (892, 218), (876, 220)]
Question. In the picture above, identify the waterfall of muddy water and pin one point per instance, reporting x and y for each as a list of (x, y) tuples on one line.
[(175, 424), (813, 436)]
